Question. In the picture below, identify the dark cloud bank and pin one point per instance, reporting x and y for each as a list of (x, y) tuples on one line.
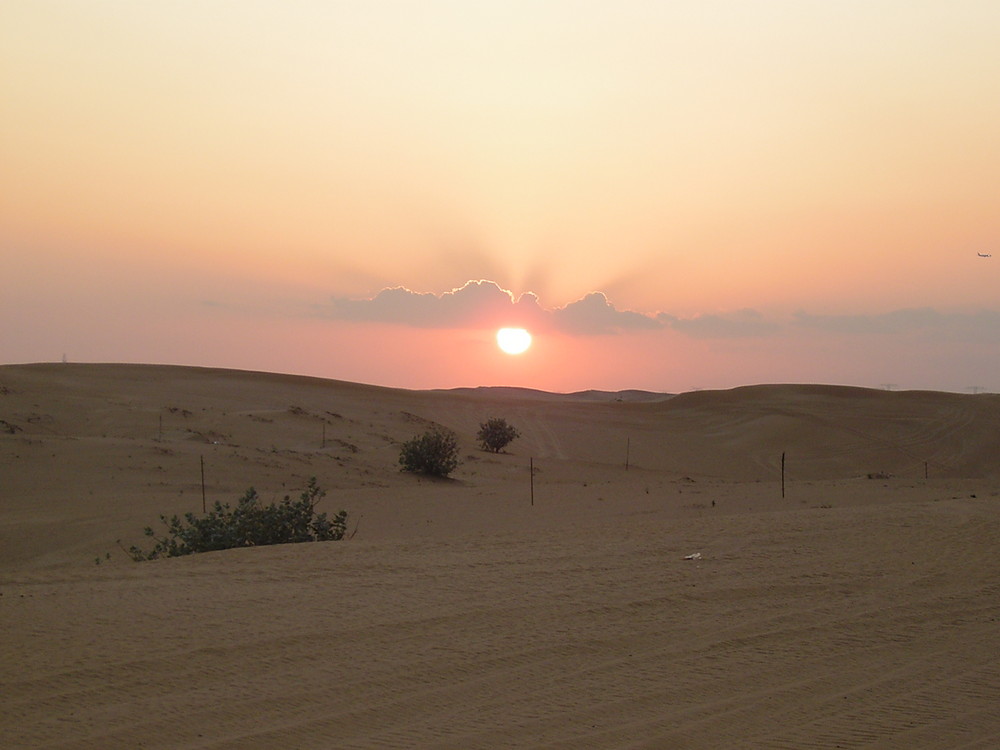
[(485, 303)]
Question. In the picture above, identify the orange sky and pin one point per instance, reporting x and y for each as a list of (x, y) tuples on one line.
[(784, 191)]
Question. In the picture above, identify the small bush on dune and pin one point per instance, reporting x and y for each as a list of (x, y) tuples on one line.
[(495, 434), (248, 524), (434, 453)]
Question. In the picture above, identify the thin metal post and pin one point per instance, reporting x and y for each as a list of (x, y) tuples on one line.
[(531, 470), (782, 474)]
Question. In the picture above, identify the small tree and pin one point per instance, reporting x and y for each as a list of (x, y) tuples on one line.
[(434, 453), (249, 524), (495, 434)]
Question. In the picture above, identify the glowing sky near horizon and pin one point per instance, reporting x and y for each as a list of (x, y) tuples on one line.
[(678, 194)]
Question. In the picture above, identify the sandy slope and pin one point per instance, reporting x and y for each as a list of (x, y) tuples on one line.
[(854, 612)]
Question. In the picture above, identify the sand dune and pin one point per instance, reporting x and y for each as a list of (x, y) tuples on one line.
[(854, 611)]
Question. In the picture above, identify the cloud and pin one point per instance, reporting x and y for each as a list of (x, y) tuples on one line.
[(982, 325), (738, 324), (595, 314), (475, 303), (485, 303)]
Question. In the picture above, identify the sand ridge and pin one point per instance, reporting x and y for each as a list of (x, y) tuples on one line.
[(854, 612)]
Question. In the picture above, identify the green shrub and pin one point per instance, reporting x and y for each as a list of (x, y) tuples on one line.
[(495, 434), (434, 453), (249, 524)]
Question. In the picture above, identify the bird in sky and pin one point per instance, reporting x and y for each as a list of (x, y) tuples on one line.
[(985, 255)]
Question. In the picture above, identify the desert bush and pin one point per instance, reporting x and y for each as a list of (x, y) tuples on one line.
[(495, 434), (434, 453), (246, 525)]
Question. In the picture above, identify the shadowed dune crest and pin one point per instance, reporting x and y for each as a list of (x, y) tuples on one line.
[(859, 609)]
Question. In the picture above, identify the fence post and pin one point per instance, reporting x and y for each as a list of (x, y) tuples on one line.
[(782, 474), (531, 470)]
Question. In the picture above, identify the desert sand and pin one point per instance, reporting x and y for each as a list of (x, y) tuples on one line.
[(650, 587)]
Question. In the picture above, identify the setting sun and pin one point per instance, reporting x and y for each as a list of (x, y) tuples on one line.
[(513, 340)]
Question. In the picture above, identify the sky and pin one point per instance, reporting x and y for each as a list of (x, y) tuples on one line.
[(668, 195)]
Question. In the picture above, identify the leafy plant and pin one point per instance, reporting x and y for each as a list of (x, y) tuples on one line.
[(434, 453), (495, 434), (248, 524)]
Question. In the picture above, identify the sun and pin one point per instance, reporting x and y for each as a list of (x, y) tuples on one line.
[(513, 340)]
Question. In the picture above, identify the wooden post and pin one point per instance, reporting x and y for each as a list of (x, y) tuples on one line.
[(782, 474), (203, 484), (531, 469)]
